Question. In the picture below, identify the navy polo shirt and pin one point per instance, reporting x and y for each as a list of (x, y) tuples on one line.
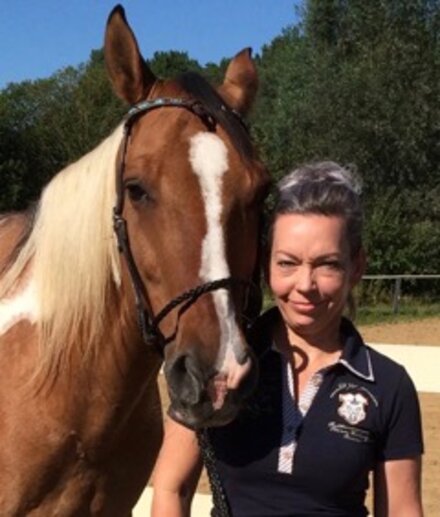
[(312, 457)]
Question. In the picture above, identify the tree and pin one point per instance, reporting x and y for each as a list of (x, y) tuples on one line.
[(358, 82), (46, 124), (172, 63)]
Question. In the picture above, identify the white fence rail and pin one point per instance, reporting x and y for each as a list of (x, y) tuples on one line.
[(397, 291)]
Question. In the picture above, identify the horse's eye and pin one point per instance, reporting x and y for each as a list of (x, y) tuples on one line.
[(136, 191)]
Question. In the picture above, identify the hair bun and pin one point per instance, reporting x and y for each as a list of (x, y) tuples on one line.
[(329, 172)]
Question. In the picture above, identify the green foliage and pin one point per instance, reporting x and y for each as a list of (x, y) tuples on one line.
[(215, 73), (172, 63), (26, 149), (356, 85)]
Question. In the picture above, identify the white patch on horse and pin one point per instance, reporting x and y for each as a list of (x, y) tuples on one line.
[(209, 159), (22, 306)]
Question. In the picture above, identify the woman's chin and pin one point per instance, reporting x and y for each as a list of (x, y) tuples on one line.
[(307, 323), (308, 315), (303, 323)]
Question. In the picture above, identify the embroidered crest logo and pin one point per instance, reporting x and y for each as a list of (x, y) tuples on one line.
[(352, 408)]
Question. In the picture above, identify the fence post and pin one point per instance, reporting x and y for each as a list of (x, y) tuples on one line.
[(397, 295)]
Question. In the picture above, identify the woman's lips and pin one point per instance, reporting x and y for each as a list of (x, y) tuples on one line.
[(304, 307)]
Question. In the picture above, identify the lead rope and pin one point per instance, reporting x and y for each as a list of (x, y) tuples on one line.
[(221, 506)]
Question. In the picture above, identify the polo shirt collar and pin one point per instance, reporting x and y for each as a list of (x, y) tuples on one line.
[(355, 355)]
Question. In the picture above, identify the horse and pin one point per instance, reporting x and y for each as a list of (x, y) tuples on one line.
[(142, 251)]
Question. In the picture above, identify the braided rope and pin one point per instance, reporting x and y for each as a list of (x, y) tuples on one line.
[(221, 506), (192, 294)]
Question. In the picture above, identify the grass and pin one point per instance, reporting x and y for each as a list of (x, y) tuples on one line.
[(409, 310)]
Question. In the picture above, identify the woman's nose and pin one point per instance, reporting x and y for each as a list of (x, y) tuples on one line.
[(305, 279)]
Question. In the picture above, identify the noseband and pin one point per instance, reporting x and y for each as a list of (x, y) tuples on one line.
[(149, 325)]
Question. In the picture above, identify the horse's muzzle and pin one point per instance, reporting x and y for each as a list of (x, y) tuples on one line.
[(200, 396)]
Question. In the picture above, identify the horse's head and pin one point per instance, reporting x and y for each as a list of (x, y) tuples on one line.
[(190, 195)]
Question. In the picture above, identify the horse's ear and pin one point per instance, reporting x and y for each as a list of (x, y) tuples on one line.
[(130, 76), (241, 82)]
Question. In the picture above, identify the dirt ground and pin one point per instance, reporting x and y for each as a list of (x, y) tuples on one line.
[(420, 332)]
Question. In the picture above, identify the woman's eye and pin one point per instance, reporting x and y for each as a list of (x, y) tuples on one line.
[(285, 263), (333, 265), (136, 192)]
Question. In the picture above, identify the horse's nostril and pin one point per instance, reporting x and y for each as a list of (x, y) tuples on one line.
[(179, 365), (185, 380), (243, 358)]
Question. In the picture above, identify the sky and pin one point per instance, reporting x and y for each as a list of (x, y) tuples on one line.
[(40, 37)]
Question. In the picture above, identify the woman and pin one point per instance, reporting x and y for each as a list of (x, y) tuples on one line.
[(328, 410)]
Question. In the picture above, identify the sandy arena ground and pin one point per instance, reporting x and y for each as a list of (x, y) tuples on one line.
[(421, 332)]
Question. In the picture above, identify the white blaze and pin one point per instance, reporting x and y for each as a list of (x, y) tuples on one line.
[(209, 159), (22, 305)]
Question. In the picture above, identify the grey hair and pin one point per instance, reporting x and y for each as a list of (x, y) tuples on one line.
[(324, 188)]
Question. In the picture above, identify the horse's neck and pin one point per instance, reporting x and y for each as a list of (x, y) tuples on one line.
[(123, 362), (124, 372), (92, 396)]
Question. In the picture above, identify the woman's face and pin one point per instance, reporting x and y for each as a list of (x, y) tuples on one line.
[(311, 272)]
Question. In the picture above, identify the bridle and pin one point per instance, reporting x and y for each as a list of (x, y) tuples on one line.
[(149, 325)]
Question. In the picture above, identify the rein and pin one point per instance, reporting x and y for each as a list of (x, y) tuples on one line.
[(149, 325)]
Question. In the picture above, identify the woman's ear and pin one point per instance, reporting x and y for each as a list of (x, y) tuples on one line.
[(359, 266), (267, 249), (265, 262)]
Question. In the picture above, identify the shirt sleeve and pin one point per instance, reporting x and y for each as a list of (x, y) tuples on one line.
[(402, 437)]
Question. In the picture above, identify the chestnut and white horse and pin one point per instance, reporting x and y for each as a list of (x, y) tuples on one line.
[(86, 313)]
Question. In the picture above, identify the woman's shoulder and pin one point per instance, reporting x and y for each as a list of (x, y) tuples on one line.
[(389, 372), (379, 366)]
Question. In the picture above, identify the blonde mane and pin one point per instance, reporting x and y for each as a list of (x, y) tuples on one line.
[(71, 255)]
